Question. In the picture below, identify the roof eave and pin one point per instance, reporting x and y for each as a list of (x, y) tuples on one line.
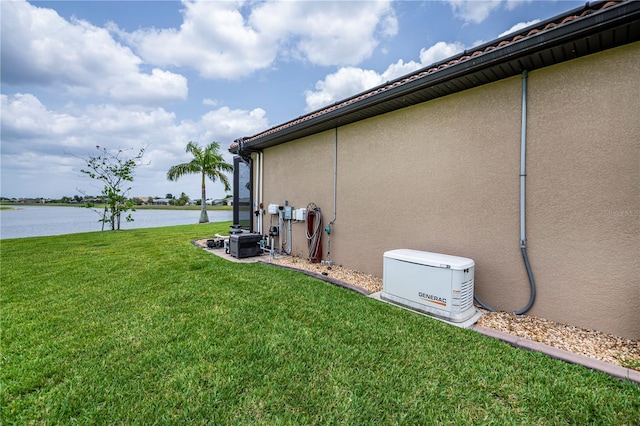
[(519, 55)]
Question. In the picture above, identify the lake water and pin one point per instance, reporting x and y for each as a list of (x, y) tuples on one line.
[(35, 221)]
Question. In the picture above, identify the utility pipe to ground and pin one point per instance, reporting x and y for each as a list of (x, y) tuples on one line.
[(523, 211), (335, 195), (523, 185), (335, 176)]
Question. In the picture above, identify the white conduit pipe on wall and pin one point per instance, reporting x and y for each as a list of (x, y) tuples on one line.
[(335, 177), (335, 196), (523, 175), (260, 192)]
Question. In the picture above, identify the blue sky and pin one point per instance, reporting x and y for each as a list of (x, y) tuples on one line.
[(124, 74)]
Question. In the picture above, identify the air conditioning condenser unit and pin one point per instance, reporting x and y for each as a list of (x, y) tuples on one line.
[(432, 283)]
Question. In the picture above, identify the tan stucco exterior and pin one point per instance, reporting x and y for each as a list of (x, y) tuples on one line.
[(443, 176)]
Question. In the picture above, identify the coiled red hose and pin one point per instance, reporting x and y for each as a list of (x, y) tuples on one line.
[(314, 232)]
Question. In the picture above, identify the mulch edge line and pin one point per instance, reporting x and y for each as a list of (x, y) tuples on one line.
[(325, 278)]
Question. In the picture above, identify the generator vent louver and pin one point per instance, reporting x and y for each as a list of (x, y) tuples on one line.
[(465, 294), (433, 283)]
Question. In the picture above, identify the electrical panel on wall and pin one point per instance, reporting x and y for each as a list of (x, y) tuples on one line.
[(300, 214), (288, 212)]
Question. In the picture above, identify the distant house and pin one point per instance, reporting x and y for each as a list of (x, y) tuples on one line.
[(442, 147), (34, 200), (161, 201)]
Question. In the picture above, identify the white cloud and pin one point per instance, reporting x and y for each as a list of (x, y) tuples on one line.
[(512, 4), (327, 33), (228, 124), (159, 86), (349, 81), (439, 51), (46, 50), (339, 85), (24, 117), (518, 26), (36, 140), (214, 38), (476, 11), (233, 39)]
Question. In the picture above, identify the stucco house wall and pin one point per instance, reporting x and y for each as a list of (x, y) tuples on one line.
[(443, 176)]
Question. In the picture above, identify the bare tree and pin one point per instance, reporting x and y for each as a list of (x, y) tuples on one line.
[(116, 171)]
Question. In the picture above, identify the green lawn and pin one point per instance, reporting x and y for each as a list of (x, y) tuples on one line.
[(140, 327)]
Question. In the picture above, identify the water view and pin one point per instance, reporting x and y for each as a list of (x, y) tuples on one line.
[(35, 221)]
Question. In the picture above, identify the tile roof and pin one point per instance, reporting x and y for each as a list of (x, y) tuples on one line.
[(500, 43)]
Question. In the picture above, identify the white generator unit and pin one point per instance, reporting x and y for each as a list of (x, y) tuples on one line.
[(433, 283)]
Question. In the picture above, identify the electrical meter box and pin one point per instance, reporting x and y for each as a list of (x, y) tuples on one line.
[(288, 213), (432, 283), (273, 209), (300, 214)]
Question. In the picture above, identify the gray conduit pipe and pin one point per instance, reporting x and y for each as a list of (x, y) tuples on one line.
[(335, 195), (335, 176), (523, 175)]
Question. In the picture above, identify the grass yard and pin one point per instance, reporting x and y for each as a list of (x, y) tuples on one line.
[(140, 327)]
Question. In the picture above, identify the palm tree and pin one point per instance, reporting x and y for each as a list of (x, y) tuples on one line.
[(209, 163)]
